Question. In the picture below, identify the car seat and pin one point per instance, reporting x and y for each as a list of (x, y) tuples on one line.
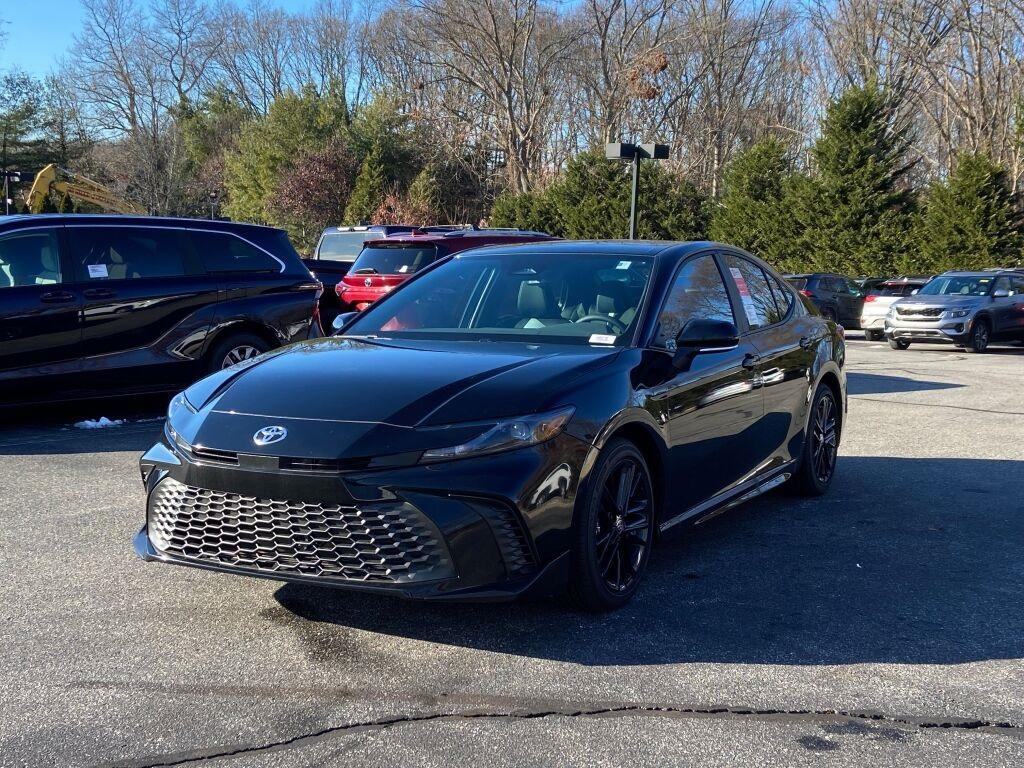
[(536, 306)]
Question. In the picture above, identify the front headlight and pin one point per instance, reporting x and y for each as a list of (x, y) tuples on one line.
[(507, 435), (179, 410), (959, 312)]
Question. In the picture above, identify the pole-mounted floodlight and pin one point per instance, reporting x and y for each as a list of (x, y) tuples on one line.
[(634, 153)]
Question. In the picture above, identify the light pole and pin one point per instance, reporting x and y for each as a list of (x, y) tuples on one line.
[(634, 153)]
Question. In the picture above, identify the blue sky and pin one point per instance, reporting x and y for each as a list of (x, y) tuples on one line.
[(39, 32)]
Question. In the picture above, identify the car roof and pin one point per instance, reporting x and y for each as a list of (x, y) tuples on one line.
[(598, 247), (123, 219), (420, 237)]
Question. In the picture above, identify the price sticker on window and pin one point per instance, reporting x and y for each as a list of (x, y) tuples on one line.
[(748, 301), (98, 270)]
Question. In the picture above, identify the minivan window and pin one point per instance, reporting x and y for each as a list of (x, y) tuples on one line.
[(393, 260), (697, 293), (342, 246), (125, 253), (755, 295), (29, 258), (224, 252)]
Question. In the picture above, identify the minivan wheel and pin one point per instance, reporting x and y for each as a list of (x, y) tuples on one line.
[(899, 344), (980, 335), (236, 348), (821, 445), (615, 530)]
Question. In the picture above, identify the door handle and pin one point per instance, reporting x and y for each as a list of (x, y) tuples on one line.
[(98, 293), (750, 361), (57, 297)]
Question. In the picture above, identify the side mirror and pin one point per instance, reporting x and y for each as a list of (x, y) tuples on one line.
[(700, 335), (342, 320), (1000, 293)]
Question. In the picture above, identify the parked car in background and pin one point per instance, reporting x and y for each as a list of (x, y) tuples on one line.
[(835, 296), (878, 300), (868, 284), (333, 255), (969, 309), (386, 263), (608, 392), (98, 305)]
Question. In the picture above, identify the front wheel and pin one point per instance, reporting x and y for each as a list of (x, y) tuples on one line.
[(899, 344), (615, 529), (874, 335), (821, 445), (979, 337)]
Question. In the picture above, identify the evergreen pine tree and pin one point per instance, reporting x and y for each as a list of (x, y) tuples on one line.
[(969, 221), (65, 205), (422, 198), (369, 190), (857, 212)]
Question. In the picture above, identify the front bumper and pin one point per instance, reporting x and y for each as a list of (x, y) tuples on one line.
[(943, 329), (487, 528)]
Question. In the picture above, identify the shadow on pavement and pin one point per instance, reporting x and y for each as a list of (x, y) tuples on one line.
[(912, 561), (878, 383)]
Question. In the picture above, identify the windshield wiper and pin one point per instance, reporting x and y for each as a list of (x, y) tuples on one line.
[(365, 271)]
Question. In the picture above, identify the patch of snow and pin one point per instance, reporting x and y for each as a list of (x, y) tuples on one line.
[(100, 423)]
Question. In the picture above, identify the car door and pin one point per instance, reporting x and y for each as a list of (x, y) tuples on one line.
[(147, 307), (850, 301), (786, 339), (1015, 320), (709, 409), (1003, 310), (39, 316)]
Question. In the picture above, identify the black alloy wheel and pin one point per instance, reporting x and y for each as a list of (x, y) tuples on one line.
[(981, 333), (899, 344), (615, 534), (818, 463)]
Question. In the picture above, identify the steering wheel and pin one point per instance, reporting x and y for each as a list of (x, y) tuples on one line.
[(616, 325)]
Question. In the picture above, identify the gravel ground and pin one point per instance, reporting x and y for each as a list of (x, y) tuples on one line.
[(880, 625)]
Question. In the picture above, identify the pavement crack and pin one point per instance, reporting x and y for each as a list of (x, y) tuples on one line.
[(624, 710)]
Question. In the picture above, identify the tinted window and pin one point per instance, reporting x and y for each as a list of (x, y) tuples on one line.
[(755, 295), (782, 295), (224, 252), (125, 253), (342, 246), (393, 260), (797, 282), (1018, 286), (697, 293), (29, 258)]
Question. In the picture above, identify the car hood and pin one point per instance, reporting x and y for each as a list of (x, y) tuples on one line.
[(345, 397), (950, 302)]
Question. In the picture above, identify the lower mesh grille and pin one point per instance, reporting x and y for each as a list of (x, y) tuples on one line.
[(390, 543)]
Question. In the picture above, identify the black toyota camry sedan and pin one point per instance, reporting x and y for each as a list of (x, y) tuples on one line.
[(512, 420)]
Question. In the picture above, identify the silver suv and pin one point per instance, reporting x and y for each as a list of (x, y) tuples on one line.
[(969, 309)]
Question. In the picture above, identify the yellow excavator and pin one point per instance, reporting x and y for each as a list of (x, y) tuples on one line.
[(55, 180)]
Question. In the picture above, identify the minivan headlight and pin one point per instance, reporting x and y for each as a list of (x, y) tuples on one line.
[(507, 435)]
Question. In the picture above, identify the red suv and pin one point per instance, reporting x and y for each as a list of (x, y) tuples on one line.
[(387, 262)]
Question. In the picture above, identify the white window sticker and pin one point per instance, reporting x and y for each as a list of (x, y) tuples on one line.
[(97, 270), (602, 338), (745, 297), (623, 265), (403, 269)]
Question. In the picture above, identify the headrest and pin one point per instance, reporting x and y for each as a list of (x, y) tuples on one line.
[(534, 300), (610, 298)]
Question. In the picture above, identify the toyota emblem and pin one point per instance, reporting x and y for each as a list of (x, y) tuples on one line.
[(268, 435)]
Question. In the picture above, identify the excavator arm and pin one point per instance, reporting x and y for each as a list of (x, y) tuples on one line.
[(57, 180)]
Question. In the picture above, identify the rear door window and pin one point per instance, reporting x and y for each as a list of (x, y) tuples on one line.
[(225, 252), (126, 253), (751, 283), (29, 258), (393, 260), (697, 293), (342, 246)]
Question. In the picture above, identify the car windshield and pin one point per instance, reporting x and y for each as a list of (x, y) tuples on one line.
[(393, 259), (342, 246), (958, 285), (567, 298), (895, 289)]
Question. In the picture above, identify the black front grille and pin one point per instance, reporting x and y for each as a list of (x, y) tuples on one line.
[(920, 311), (382, 543), (214, 456)]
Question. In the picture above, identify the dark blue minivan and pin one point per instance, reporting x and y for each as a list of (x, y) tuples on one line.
[(104, 305)]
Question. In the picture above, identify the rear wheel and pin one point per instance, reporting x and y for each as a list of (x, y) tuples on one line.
[(899, 344), (874, 335), (236, 348), (821, 445), (979, 337), (615, 530)]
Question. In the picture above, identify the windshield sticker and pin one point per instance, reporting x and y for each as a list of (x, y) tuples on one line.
[(403, 269), (602, 338), (98, 270), (745, 297), (624, 265)]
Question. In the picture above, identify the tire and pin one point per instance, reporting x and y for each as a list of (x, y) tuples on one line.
[(234, 348), (821, 444), (874, 335), (899, 344), (981, 334), (612, 538)]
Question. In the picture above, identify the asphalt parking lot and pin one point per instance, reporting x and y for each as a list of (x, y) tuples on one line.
[(883, 624)]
